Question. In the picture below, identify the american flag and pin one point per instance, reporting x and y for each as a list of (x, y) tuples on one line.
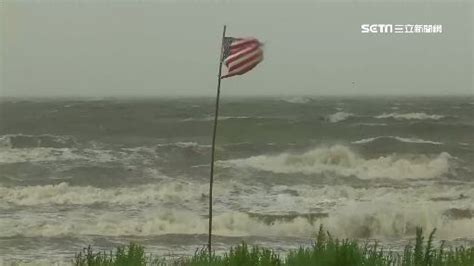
[(240, 55)]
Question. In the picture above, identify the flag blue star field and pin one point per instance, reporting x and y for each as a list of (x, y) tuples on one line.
[(240, 55)]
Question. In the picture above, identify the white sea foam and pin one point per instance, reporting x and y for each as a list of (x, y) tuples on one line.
[(8, 140), (38, 155), (298, 100), (221, 118), (5, 141), (189, 195), (410, 116), (341, 160), (64, 194), (146, 210), (371, 124), (96, 154), (339, 116), (389, 218), (189, 144), (57, 154), (356, 219), (406, 140)]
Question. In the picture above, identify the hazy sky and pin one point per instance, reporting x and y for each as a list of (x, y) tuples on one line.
[(161, 48)]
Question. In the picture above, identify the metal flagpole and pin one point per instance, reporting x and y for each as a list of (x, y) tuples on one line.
[(213, 145)]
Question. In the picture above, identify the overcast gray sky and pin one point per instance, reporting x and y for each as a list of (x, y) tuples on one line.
[(162, 48)]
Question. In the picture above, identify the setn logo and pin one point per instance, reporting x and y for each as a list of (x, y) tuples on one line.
[(376, 28)]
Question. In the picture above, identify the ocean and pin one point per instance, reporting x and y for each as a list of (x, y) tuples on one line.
[(103, 172)]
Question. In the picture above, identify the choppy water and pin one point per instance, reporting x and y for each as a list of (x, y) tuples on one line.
[(103, 172)]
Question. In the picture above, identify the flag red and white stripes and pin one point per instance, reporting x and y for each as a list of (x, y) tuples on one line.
[(240, 55)]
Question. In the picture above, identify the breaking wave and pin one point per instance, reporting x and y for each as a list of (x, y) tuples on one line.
[(15, 141), (342, 161), (387, 219), (20, 154), (410, 116), (297, 100), (371, 124), (190, 144), (174, 207), (58, 154), (406, 140), (64, 194), (339, 116), (221, 118)]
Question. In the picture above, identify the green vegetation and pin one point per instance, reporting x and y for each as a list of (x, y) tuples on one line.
[(326, 251), (133, 255)]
